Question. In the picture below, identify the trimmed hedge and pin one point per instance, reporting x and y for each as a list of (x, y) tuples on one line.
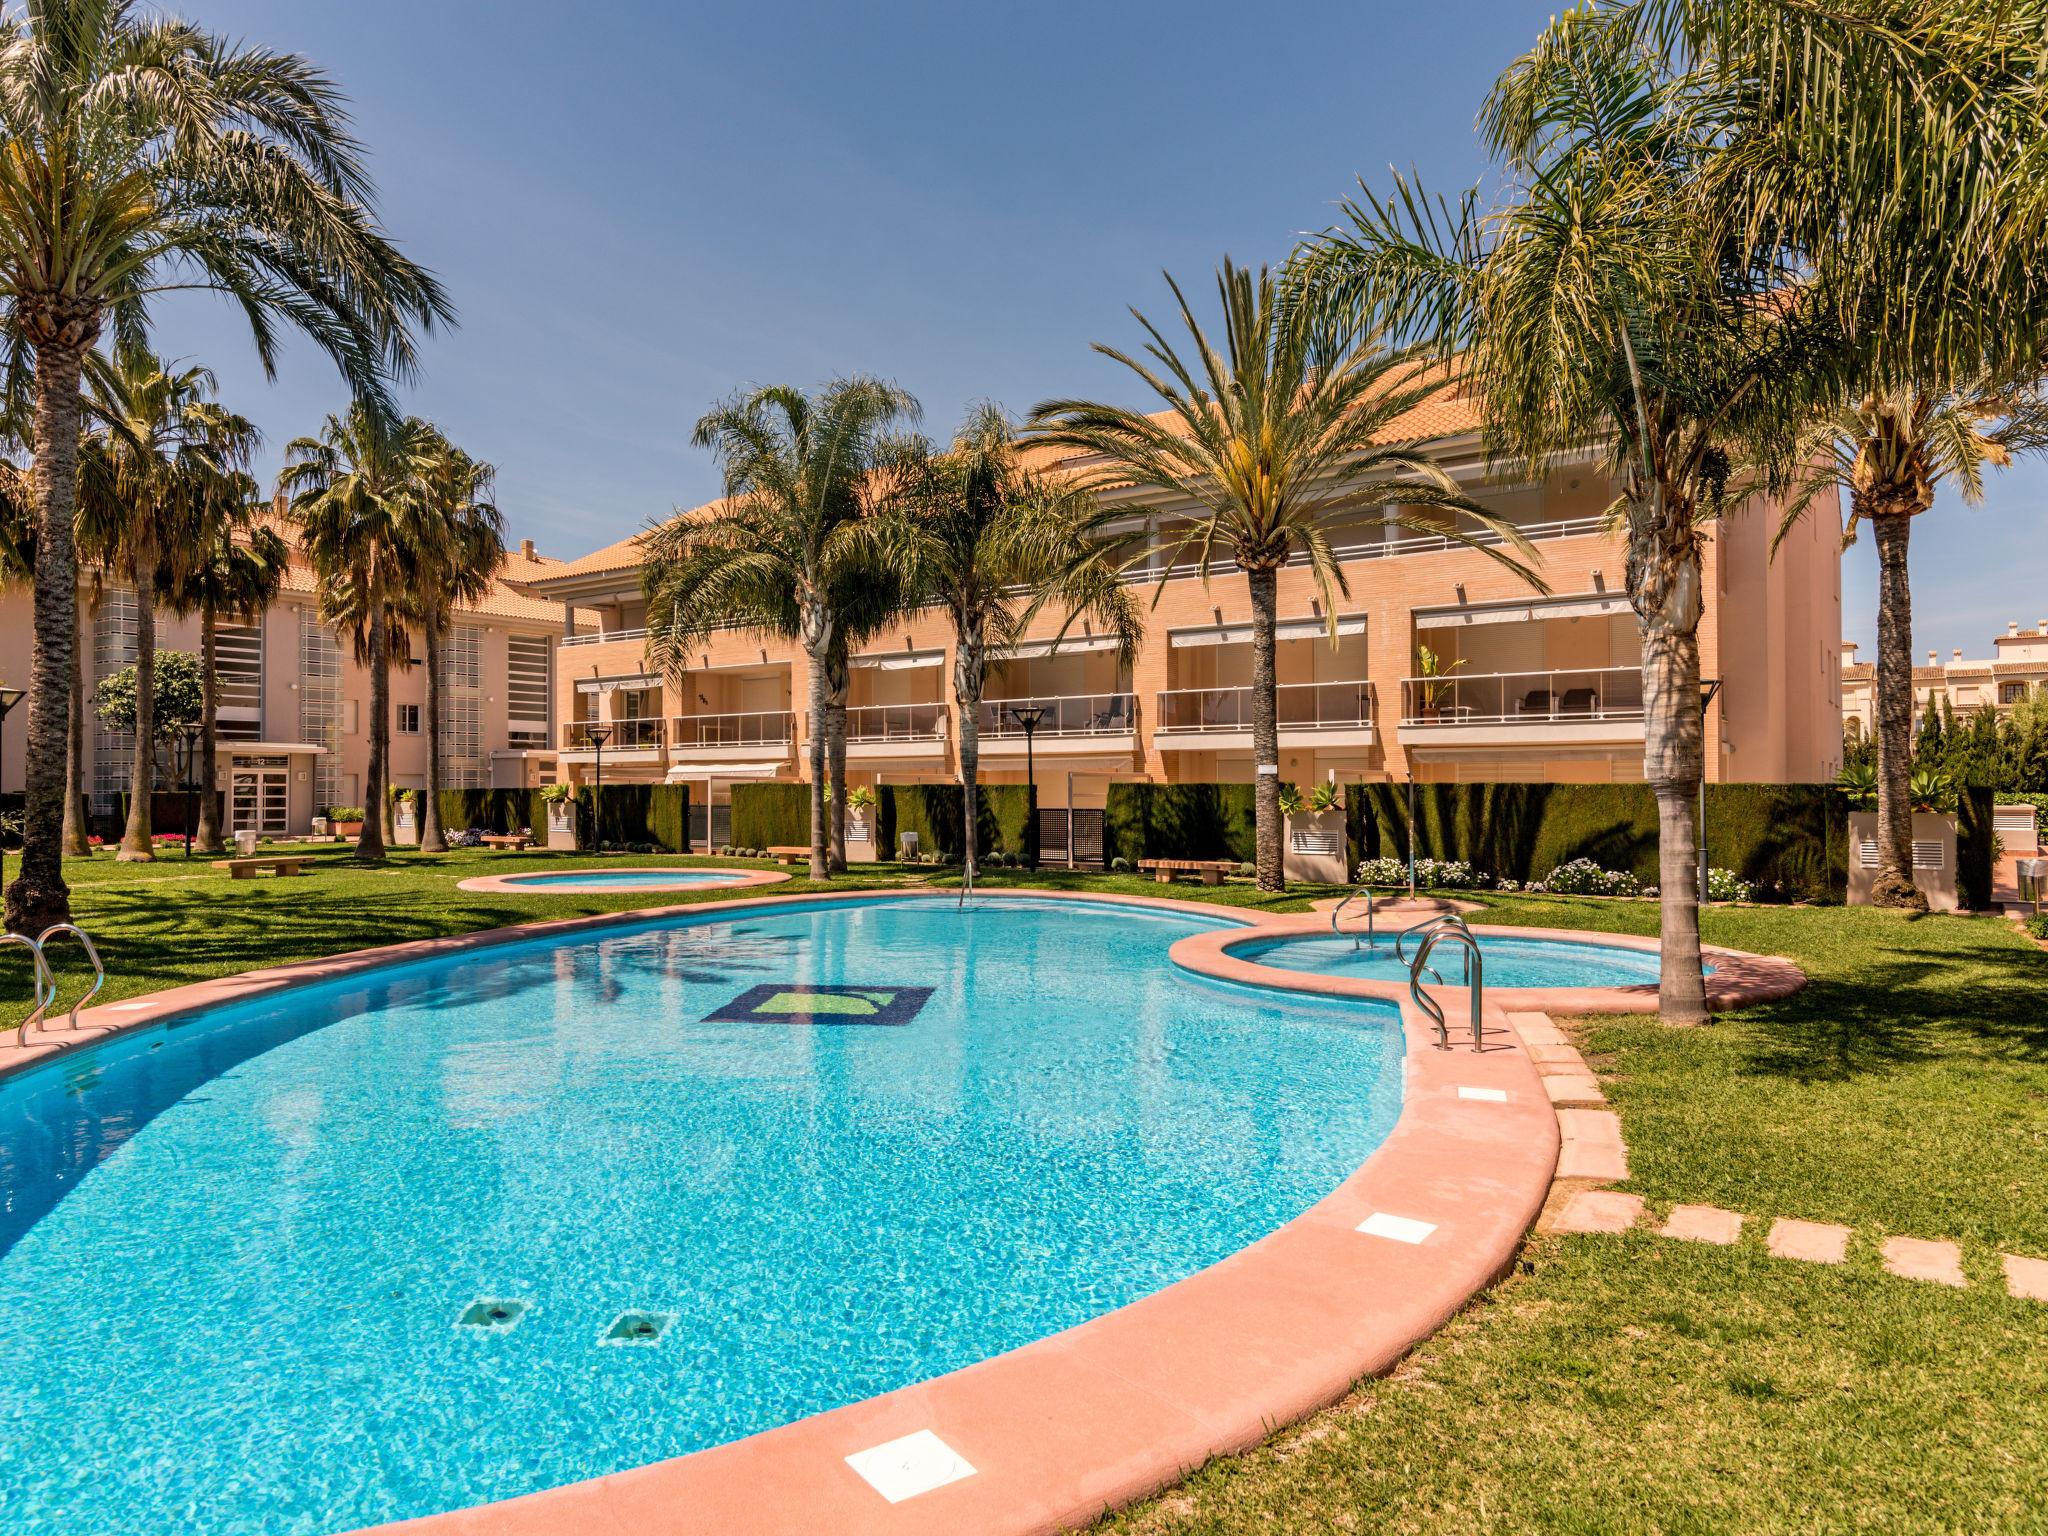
[(1975, 840), (779, 815), (633, 813), (771, 815), (1002, 823), (637, 813), (1787, 839), (1180, 821)]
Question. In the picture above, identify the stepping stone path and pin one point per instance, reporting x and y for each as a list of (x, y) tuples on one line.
[(1591, 1152)]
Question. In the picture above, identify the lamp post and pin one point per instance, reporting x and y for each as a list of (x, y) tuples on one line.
[(1029, 716), (1708, 688), (599, 733), (9, 697), (188, 752)]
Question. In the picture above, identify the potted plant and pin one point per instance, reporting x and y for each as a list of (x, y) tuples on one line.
[(1314, 848), (1432, 682), (347, 820), (560, 800), (405, 814), (860, 805)]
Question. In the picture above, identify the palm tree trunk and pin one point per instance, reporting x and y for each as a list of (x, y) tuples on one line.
[(969, 674), (431, 840), (77, 834), (206, 836), (1673, 762), (820, 851), (370, 846), (1265, 586), (835, 768), (137, 840), (1893, 687), (38, 897)]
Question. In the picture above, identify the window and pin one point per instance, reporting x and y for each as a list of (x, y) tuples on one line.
[(2011, 693), (408, 719), (320, 701), (527, 691), (462, 763)]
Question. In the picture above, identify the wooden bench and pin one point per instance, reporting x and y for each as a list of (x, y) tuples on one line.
[(516, 842), (789, 854), (1212, 871), (248, 869)]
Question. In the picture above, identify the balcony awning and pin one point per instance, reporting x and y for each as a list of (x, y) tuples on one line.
[(682, 773), (608, 684), (1286, 629), (1587, 605), (1038, 650), (899, 661)]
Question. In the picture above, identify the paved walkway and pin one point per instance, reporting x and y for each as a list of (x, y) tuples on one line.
[(1594, 1155)]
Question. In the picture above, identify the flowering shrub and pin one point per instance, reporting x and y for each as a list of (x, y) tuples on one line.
[(1723, 886), (1437, 874), (1582, 877), (2037, 925)]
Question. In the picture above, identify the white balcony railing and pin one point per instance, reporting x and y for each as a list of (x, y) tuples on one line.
[(1296, 706), (895, 722), (1353, 548), (1077, 714), (604, 637), (750, 728), (1523, 698), (634, 735)]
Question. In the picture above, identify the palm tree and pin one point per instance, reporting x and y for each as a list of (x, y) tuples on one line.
[(1890, 452), (1271, 440), (461, 546), (988, 541), (1597, 303), (350, 491), (1891, 152), (164, 444), (799, 476), (231, 565), (145, 154)]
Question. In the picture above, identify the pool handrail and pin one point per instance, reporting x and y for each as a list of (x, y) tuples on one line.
[(1427, 926), (1475, 967), (45, 984), (966, 879), (92, 953), (1371, 940)]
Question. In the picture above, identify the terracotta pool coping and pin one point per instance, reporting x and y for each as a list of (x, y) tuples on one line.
[(1108, 1411), (527, 882)]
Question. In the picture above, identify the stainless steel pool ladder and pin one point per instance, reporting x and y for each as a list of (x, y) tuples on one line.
[(1474, 980), (1338, 911), (966, 881), (39, 975), (1422, 930), (92, 953)]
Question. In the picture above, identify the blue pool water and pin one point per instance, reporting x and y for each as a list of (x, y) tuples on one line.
[(624, 879), (233, 1252), (1507, 962)]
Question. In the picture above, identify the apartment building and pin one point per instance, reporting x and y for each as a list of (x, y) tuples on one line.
[(295, 701), (2017, 665), (1526, 686)]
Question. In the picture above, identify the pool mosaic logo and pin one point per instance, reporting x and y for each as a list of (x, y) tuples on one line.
[(801, 1003)]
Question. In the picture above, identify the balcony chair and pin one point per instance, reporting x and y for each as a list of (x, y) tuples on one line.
[(1537, 701), (1580, 701)]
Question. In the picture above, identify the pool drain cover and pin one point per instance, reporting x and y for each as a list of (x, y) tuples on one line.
[(486, 1316), (637, 1328)]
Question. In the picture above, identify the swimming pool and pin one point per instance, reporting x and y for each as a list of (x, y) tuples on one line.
[(1508, 962), (389, 1244)]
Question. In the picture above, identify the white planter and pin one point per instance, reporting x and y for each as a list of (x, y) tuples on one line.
[(405, 822), (562, 827), (860, 840), (1934, 858), (1314, 847)]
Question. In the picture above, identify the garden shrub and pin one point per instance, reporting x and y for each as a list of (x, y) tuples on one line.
[(2037, 926), (1181, 821), (1582, 877), (771, 815)]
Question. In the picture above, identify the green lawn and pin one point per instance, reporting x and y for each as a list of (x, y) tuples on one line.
[(1613, 1384)]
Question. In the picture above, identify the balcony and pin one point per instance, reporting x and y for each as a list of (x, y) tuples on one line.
[(1594, 706), (747, 736), (632, 735), (1351, 549), (1308, 714), (1097, 723), (602, 637), (897, 735)]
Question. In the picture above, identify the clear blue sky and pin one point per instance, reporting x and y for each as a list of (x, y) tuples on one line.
[(639, 206)]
